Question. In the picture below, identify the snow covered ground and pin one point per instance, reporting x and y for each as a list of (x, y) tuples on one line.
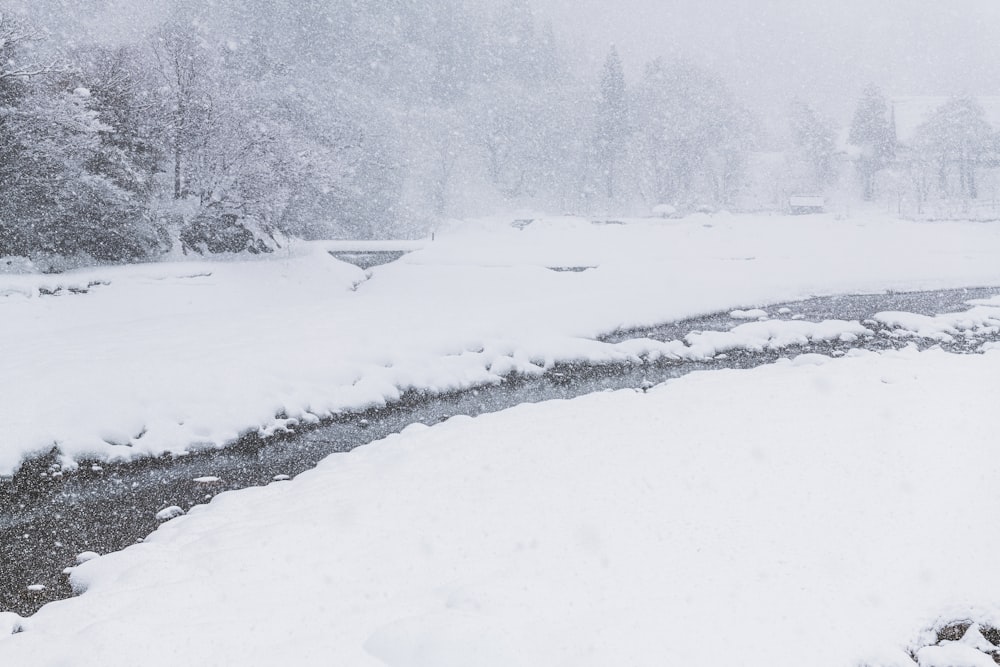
[(817, 511), (133, 361)]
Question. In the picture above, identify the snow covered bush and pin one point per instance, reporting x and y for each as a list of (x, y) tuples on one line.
[(213, 232)]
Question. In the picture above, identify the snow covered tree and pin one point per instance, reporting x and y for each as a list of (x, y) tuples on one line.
[(440, 138), (52, 192), (17, 63), (122, 170), (814, 139), (873, 133), (183, 62), (232, 122), (120, 85), (215, 150), (511, 44), (453, 54), (61, 195), (956, 138), (693, 136), (501, 125), (729, 157), (530, 138), (612, 121), (19, 73)]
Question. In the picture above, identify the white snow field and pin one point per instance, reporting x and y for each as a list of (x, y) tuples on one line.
[(820, 512), (170, 356)]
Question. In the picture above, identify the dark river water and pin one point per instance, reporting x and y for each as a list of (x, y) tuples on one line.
[(47, 517)]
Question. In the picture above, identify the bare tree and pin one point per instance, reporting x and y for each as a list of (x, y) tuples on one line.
[(181, 64)]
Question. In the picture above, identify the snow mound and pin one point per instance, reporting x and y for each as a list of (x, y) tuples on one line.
[(752, 314)]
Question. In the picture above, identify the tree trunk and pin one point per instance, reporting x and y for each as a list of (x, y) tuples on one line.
[(963, 172), (867, 178), (177, 171), (609, 175), (494, 165)]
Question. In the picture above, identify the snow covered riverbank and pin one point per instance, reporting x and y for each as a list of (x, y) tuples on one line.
[(818, 512), (132, 361)]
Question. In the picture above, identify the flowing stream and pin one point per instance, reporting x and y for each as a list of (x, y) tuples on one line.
[(48, 516)]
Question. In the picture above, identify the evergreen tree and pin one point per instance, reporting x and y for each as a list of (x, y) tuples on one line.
[(612, 120), (872, 132), (52, 196), (121, 92)]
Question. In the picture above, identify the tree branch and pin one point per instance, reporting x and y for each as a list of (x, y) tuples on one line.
[(13, 34), (33, 70)]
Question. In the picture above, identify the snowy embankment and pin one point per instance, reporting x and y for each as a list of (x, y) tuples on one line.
[(135, 361), (821, 512)]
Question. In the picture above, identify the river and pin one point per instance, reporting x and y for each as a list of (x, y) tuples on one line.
[(48, 516)]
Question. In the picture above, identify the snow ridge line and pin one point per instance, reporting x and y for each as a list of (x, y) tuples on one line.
[(492, 364)]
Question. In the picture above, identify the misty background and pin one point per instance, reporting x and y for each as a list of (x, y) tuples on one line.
[(823, 52), (130, 129)]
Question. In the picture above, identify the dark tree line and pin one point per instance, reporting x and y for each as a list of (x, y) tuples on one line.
[(230, 126), (181, 139)]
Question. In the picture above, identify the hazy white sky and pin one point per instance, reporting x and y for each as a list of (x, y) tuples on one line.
[(824, 51)]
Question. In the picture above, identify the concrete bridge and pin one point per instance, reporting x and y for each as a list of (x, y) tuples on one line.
[(366, 254)]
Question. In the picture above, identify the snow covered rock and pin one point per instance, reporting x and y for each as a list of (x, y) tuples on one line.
[(752, 314), (960, 644), (168, 513), (208, 479), (9, 264)]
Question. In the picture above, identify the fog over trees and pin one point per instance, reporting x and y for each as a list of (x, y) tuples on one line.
[(129, 129)]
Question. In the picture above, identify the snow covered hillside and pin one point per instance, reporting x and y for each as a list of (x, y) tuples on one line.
[(821, 512), (131, 361)]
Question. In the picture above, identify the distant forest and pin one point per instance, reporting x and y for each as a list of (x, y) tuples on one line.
[(233, 125)]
